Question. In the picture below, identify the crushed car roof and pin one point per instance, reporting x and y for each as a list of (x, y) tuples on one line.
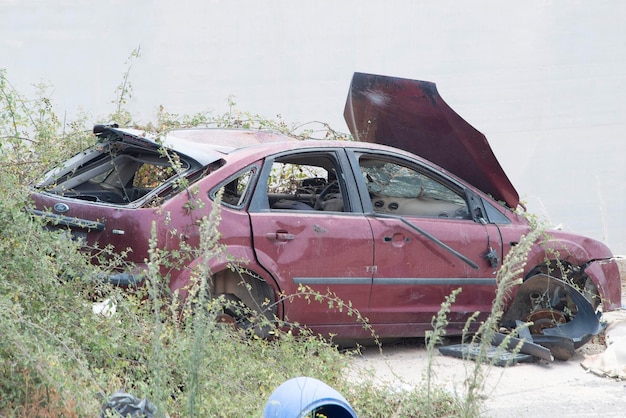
[(411, 115)]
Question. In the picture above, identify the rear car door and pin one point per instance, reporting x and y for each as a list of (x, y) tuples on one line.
[(310, 233)]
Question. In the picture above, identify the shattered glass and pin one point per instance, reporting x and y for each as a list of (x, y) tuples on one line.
[(392, 180)]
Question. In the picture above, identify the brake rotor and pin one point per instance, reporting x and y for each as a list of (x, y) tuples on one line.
[(544, 318)]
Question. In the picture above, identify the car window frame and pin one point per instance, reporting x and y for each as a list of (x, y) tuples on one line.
[(101, 158), (344, 173), (354, 155), (494, 214), (247, 194)]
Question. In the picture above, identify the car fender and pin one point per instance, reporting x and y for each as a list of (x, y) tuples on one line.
[(557, 249), (592, 255)]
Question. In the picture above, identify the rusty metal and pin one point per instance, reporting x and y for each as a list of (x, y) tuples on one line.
[(227, 320), (544, 318)]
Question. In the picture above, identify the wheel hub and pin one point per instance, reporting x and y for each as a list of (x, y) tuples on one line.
[(544, 318)]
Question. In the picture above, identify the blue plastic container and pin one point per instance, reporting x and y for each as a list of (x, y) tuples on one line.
[(301, 396)]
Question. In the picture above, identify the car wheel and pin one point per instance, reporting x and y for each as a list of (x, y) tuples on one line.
[(234, 312)]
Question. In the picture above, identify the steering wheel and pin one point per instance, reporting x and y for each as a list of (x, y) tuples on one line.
[(330, 187)]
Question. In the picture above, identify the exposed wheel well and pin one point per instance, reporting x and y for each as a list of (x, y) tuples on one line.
[(571, 274), (249, 287)]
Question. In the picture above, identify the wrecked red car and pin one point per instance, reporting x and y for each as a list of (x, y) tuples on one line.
[(392, 222)]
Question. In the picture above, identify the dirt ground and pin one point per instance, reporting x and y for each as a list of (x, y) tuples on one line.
[(537, 389)]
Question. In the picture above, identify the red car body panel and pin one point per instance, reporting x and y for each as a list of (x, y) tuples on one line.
[(401, 297), (321, 253), (603, 272)]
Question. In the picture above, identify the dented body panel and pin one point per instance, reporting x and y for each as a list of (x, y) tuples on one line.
[(413, 275)]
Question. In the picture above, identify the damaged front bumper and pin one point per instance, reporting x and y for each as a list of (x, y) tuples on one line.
[(605, 274)]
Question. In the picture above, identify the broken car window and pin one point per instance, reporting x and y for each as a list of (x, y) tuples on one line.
[(400, 189), (115, 174), (236, 191), (305, 182)]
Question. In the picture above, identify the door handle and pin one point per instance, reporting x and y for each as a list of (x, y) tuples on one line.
[(397, 240), (280, 236)]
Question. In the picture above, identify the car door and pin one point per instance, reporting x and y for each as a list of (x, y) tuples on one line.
[(310, 233), (427, 243)]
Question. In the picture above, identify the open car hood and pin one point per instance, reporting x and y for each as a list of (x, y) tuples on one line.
[(411, 115)]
